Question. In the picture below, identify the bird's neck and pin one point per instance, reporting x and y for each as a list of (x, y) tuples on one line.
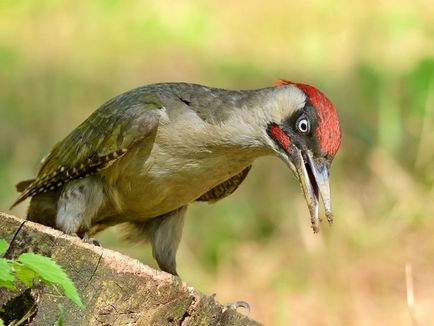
[(253, 111), (226, 121)]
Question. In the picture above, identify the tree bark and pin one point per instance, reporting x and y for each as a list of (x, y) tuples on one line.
[(116, 289)]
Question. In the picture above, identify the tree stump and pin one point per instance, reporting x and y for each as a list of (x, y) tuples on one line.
[(116, 289)]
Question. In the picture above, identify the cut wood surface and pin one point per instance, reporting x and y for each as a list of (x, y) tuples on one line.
[(116, 289)]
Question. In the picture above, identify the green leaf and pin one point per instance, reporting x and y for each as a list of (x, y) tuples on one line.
[(1, 323), (7, 277), (24, 274), (50, 272), (3, 246), (7, 284)]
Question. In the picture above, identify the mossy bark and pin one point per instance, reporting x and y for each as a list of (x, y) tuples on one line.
[(116, 289)]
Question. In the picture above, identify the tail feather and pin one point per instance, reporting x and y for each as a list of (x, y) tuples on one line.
[(23, 185)]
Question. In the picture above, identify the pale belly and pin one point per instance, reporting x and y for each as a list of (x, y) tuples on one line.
[(174, 182)]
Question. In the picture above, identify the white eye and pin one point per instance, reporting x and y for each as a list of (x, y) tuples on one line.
[(303, 125)]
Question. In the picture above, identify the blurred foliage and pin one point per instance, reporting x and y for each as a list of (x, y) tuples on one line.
[(59, 60)]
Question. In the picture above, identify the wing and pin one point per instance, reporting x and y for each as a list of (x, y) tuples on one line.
[(225, 188), (107, 135)]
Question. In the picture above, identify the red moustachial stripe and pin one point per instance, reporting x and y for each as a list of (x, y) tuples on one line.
[(277, 133), (329, 131)]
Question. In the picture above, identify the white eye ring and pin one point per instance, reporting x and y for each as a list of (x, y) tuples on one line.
[(303, 125)]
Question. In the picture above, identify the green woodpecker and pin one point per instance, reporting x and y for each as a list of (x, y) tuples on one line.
[(145, 155)]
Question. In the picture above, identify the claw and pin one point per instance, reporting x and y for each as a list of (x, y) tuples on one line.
[(238, 304), (329, 216), (88, 240), (234, 305)]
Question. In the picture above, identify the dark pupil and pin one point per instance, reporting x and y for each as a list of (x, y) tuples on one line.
[(303, 126)]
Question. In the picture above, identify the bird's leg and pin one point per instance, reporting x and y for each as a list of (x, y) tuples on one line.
[(165, 234)]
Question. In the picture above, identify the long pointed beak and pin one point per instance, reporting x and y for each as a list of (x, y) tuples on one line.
[(313, 176)]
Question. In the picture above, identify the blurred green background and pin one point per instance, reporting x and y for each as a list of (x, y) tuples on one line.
[(59, 60)]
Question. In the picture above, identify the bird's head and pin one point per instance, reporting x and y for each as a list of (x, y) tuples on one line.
[(306, 134)]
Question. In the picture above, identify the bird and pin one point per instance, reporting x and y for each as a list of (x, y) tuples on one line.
[(144, 156)]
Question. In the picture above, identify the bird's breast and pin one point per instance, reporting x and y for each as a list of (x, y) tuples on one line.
[(174, 173)]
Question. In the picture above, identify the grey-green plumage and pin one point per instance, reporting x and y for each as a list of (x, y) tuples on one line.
[(145, 155)]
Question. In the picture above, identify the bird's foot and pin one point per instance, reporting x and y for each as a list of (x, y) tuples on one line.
[(235, 305), (238, 304), (92, 241)]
